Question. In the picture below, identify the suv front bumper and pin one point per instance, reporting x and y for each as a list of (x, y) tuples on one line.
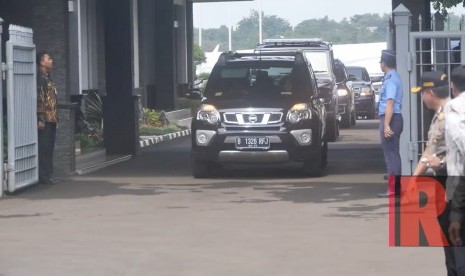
[(285, 145)]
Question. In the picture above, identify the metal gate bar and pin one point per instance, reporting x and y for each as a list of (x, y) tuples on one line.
[(440, 61)]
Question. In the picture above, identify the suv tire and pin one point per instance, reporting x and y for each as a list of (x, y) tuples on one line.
[(332, 129), (346, 120), (315, 166), (372, 113), (200, 169), (353, 118)]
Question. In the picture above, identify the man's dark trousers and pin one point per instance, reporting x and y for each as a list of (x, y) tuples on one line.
[(391, 145), (46, 147)]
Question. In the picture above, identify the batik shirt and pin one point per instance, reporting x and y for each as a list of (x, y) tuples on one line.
[(46, 99)]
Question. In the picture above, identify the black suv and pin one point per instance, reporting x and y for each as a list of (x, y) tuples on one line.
[(320, 55), (365, 103), (260, 108), (346, 95)]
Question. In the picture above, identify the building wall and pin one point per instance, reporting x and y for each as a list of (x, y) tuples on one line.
[(49, 21)]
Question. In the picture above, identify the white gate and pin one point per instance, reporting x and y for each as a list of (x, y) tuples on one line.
[(22, 160), (418, 52)]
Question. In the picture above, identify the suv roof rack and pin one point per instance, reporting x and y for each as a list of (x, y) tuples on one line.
[(258, 54), (303, 42)]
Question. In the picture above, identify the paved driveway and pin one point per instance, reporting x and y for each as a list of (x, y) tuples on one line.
[(148, 216)]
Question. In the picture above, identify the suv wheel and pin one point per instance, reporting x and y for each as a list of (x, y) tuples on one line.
[(332, 129), (324, 155), (353, 119), (346, 120), (200, 169), (314, 167), (372, 113)]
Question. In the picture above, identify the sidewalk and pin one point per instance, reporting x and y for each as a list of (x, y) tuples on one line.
[(149, 216), (96, 160)]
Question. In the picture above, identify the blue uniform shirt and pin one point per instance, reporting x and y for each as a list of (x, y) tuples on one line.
[(391, 89)]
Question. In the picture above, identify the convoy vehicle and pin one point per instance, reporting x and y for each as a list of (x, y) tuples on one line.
[(346, 95), (365, 102), (260, 108), (319, 55)]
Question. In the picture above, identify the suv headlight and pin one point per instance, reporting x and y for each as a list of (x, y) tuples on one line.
[(208, 113), (299, 112), (366, 91), (342, 92)]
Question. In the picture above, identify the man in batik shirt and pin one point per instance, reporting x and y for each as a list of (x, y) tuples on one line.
[(46, 117)]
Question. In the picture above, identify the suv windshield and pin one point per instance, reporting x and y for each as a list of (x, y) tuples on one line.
[(358, 74), (258, 78)]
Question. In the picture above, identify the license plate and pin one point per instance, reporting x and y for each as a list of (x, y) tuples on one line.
[(252, 142)]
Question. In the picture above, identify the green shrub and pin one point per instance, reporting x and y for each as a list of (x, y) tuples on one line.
[(93, 108), (153, 118), (92, 137), (146, 130)]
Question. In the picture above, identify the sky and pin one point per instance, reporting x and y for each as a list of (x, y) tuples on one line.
[(213, 15)]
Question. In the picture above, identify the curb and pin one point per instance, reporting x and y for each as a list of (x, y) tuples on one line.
[(146, 141), (102, 165)]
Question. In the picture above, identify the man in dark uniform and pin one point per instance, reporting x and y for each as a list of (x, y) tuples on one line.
[(46, 117), (391, 123)]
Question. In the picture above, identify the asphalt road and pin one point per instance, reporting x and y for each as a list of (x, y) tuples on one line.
[(148, 216)]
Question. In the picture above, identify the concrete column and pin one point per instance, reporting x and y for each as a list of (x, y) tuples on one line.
[(119, 120), (402, 17), (181, 64), (190, 40), (165, 57)]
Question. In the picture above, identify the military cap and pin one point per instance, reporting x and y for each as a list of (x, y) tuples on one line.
[(434, 80), (388, 56)]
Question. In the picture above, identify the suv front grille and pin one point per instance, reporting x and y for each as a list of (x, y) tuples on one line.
[(253, 118)]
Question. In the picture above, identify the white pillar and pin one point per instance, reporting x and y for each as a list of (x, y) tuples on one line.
[(200, 25), (260, 19), (408, 150), (229, 28)]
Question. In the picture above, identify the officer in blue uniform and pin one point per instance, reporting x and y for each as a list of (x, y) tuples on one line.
[(390, 115)]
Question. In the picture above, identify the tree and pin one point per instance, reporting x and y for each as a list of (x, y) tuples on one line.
[(358, 29), (443, 5), (198, 55), (246, 35)]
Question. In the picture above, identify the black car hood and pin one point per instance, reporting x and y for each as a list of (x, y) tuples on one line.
[(249, 102)]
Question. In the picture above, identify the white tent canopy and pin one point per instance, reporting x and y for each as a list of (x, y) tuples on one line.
[(363, 54)]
